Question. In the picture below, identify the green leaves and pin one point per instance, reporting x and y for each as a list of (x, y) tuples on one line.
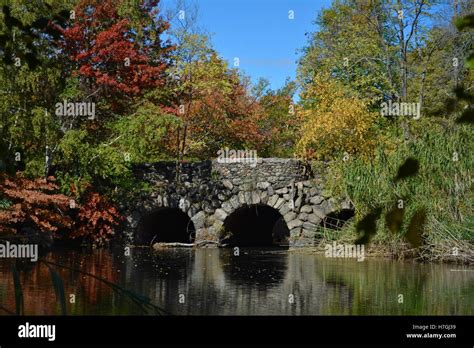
[(5, 203), (24, 32), (145, 134), (347, 46), (467, 22)]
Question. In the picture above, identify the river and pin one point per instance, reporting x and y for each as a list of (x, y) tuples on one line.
[(257, 282)]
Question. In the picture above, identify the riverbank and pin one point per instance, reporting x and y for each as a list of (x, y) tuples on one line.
[(440, 246), (428, 255)]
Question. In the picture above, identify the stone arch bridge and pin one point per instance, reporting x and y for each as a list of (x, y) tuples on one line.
[(272, 201)]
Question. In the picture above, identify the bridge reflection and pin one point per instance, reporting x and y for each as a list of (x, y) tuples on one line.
[(257, 282)]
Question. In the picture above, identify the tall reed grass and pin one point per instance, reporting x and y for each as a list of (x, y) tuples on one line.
[(443, 185)]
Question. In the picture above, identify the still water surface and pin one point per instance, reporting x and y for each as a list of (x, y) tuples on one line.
[(258, 282)]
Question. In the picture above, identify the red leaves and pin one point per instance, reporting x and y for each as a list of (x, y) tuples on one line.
[(107, 52), (37, 205), (34, 204), (96, 220)]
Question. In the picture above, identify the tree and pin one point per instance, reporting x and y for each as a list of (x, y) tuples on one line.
[(340, 125), (96, 220), (116, 49), (222, 99), (351, 49), (279, 125), (439, 62), (192, 47), (116, 56), (147, 135), (30, 80), (390, 51)]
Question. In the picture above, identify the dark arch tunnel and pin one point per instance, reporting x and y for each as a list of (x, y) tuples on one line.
[(166, 225), (256, 225), (336, 220)]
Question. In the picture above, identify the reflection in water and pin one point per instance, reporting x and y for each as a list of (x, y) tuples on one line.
[(263, 268), (257, 282)]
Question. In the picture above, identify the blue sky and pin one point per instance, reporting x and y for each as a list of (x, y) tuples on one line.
[(259, 33)]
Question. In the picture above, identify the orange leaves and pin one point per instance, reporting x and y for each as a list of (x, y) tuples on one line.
[(32, 197), (37, 205), (14, 215), (218, 110), (96, 220)]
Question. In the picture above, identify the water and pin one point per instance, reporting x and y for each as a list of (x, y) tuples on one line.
[(258, 282)]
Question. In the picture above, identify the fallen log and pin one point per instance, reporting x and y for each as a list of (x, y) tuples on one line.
[(172, 245), (157, 246)]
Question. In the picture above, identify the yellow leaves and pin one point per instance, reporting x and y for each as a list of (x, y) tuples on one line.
[(339, 122)]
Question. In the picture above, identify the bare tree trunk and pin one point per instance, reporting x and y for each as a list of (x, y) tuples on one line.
[(178, 156), (183, 148), (47, 162), (456, 8), (422, 87), (403, 54)]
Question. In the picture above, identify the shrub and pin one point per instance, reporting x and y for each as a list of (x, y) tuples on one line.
[(36, 204), (96, 220)]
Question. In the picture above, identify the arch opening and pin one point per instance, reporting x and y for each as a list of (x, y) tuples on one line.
[(255, 225), (166, 225), (336, 220)]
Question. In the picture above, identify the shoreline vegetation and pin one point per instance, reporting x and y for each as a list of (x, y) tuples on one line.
[(385, 99), (403, 252)]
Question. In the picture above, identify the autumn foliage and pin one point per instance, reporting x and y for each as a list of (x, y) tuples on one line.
[(340, 123), (97, 215), (109, 54), (36, 204), (218, 109)]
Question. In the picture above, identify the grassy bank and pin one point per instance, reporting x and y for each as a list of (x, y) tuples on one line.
[(442, 185)]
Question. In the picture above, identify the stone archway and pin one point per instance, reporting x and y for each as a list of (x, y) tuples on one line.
[(165, 225), (255, 225), (208, 192)]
